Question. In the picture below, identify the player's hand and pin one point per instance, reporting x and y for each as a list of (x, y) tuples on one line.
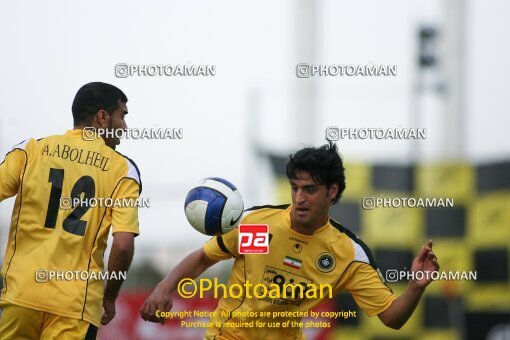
[(109, 310), (160, 300), (426, 261)]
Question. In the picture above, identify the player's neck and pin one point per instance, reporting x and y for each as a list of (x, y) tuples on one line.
[(309, 228)]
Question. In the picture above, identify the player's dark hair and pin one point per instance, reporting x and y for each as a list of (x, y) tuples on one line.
[(324, 165), (93, 97)]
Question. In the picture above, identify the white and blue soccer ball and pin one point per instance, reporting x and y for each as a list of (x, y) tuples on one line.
[(214, 206)]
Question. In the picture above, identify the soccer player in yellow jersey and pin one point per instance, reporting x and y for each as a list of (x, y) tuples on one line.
[(306, 247), (52, 282)]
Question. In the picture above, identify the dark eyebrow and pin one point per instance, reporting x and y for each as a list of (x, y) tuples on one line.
[(308, 186), (125, 112)]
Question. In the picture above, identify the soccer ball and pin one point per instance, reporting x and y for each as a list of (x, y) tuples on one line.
[(214, 206)]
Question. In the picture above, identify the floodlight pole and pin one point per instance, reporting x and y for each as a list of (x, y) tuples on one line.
[(303, 99)]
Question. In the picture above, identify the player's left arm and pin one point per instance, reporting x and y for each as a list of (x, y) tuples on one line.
[(121, 255), (125, 228), (397, 314)]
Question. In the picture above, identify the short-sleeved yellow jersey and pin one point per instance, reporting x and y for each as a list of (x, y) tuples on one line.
[(332, 256), (47, 234)]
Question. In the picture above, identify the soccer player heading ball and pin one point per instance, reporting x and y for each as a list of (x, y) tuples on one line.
[(306, 246), (51, 271)]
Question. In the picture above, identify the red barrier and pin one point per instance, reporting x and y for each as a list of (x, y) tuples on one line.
[(128, 324)]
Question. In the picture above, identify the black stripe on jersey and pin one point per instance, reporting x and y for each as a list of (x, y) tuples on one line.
[(136, 168), (356, 239), (91, 333), (90, 255), (268, 206), (17, 219), (222, 246), (362, 244)]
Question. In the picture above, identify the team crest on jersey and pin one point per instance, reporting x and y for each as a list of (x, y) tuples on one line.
[(325, 262)]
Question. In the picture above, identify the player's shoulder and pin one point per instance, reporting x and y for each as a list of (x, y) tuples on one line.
[(17, 151), (361, 252), (21, 145), (263, 211), (26, 144), (31, 142), (132, 169)]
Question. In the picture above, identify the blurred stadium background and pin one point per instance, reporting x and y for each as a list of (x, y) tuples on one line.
[(241, 124)]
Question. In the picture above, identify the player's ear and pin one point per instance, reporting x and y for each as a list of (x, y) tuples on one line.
[(102, 118), (333, 190)]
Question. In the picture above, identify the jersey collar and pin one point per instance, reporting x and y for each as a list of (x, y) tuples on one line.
[(85, 135)]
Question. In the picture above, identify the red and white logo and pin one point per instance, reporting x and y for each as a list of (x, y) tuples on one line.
[(253, 239)]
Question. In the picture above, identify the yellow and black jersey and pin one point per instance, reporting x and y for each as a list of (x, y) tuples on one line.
[(48, 235), (331, 256)]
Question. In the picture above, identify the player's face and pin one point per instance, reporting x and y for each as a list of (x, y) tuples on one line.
[(311, 202), (116, 122)]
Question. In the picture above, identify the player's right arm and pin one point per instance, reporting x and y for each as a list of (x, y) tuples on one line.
[(161, 299), (218, 248), (397, 314), (10, 173)]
